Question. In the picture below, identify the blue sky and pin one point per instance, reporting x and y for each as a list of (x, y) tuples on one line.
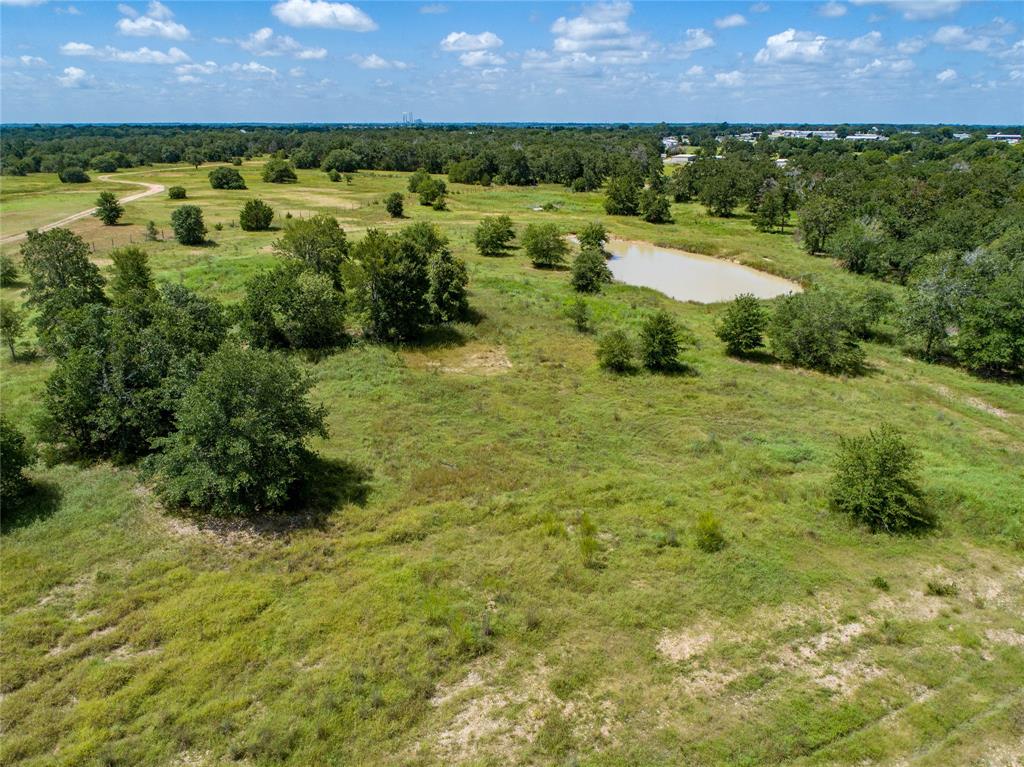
[(315, 60)]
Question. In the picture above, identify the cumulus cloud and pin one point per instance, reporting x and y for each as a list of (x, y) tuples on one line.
[(32, 61), (911, 45), (603, 26), (880, 66), (205, 68), (917, 10), (696, 40), (989, 38), (792, 46), (731, 21), (141, 56), (464, 41), (946, 75), (156, 22), (832, 10), (74, 77), (373, 61), (732, 79), (263, 42), (481, 59), (695, 71), (22, 2), (252, 68), (319, 13), (868, 43)]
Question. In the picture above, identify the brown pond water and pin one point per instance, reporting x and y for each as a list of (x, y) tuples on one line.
[(690, 276)]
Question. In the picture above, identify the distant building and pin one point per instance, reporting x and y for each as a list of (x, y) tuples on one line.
[(824, 135), (781, 162), (866, 137), (670, 142), (1009, 138), (961, 136)]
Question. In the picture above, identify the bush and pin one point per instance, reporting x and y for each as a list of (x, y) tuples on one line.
[(12, 325), (152, 233), (278, 171), (743, 324), (709, 535), (622, 196), (579, 313), (394, 205), (416, 179), (589, 270), (8, 271), (447, 292), (188, 226), (593, 235), (319, 242), (876, 483), (334, 176), (653, 207), (432, 192), (545, 245), (226, 178), (494, 235), (15, 456), (241, 430), (108, 209), (816, 330), (615, 352), (341, 161), (256, 216), (73, 176), (659, 342), (176, 193), (293, 306)]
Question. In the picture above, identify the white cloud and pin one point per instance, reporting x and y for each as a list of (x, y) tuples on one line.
[(296, 71), (985, 39), (373, 61), (696, 40), (917, 10), (602, 26), (911, 45), (732, 79), (69, 10), (760, 8), (141, 56), (792, 45), (32, 61), (434, 9), (74, 77), (579, 63), (695, 71), (481, 59), (205, 68), (319, 13), (464, 41), (730, 21), (252, 68), (188, 79), (155, 23), (22, 2), (832, 10), (946, 75), (263, 42), (879, 66), (868, 43)]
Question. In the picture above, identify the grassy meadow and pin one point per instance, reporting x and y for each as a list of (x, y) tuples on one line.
[(435, 603)]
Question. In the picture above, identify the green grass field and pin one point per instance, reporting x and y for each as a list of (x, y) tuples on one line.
[(435, 608)]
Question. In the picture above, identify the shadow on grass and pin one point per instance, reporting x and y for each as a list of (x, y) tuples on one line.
[(41, 501), (437, 337)]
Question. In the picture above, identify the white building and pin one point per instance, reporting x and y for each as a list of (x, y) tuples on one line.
[(824, 135), (1009, 138), (866, 137)]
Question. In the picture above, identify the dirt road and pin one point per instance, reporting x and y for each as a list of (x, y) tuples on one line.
[(150, 190)]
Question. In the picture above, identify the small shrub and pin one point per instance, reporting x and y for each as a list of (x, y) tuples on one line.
[(545, 245), (278, 171), (817, 330), (334, 176), (226, 178), (709, 535), (8, 271), (15, 456), (152, 233), (493, 236), (187, 222), (880, 583), (12, 325), (615, 352), (394, 205), (579, 313), (590, 548), (659, 342), (743, 324), (936, 589), (589, 270), (108, 209), (875, 482), (236, 161), (256, 216), (432, 192), (73, 176), (176, 193)]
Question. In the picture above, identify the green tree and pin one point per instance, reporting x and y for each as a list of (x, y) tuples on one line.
[(544, 245), (682, 185), (394, 205), (131, 286), (589, 270), (8, 271), (293, 306), (108, 209), (255, 216), (15, 457), (720, 187), (418, 178), (622, 196), (447, 291), (319, 242), (816, 330), (876, 482), (73, 176), (579, 313), (176, 193), (432, 192), (240, 443), (818, 217), (494, 235), (194, 157), (772, 210), (593, 235), (226, 178), (743, 325), (615, 352), (12, 325), (152, 233), (341, 160), (188, 226), (278, 171), (653, 207), (659, 341)]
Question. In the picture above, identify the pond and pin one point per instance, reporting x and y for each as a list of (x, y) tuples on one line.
[(690, 276)]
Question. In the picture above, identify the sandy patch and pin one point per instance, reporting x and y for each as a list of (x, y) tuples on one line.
[(1005, 636), (684, 645), (464, 360), (992, 409)]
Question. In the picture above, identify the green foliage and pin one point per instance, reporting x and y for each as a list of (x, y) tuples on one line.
[(494, 235), (8, 271), (875, 482), (73, 176), (278, 171), (188, 226), (176, 193), (152, 233), (590, 548), (131, 286), (394, 205), (589, 270), (15, 456), (708, 533), (319, 242), (743, 325), (108, 209), (653, 207), (720, 186), (579, 313), (256, 216), (239, 445), (773, 208), (659, 341), (622, 196), (857, 245), (417, 179), (593, 235), (432, 192), (293, 306), (940, 589), (226, 178), (544, 245), (447, 292), (819, 217), (616, 352), (12, 325), (341, 161), (817, 330), (682, 185)]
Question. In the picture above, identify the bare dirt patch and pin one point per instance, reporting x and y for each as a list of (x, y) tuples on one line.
[(481, 361)]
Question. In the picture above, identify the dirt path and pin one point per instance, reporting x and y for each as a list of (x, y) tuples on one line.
[(150, 190)]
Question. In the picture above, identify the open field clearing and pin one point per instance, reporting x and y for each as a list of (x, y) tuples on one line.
[(433, 604)]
